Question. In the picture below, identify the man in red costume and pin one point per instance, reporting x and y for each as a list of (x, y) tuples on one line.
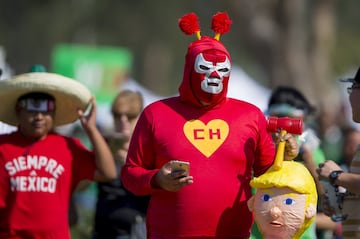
[(224, 140)]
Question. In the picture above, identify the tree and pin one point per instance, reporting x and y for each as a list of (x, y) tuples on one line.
[(292, 40)]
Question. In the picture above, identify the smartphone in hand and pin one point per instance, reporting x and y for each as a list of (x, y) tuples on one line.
[(180, 166)]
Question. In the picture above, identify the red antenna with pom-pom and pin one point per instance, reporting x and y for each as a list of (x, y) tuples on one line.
[(189, 24), (220, 24)]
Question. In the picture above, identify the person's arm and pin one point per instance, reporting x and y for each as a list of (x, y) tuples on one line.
[(324, 222), (104, 160), (350, 181)]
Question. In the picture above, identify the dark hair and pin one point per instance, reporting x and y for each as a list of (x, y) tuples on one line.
[(292, 97)]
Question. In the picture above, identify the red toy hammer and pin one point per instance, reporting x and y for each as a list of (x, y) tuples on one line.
[(283, 125)]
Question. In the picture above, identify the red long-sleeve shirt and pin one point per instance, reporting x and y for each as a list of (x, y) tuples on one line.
[(224, 145)]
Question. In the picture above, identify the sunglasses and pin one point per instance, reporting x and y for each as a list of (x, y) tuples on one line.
[(36, 105)]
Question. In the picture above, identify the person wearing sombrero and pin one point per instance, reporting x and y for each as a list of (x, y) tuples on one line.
[(39, 168), (334, 174), (223, 140)]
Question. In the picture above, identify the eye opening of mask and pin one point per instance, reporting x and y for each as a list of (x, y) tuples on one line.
[(36, 102)]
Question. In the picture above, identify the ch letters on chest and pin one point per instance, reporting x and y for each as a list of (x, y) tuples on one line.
[(207, 138)]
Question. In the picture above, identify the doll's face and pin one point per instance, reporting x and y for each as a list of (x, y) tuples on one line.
[(279, 212), (211, 74)]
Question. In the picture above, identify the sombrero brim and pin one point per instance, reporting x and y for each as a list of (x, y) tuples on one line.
[(70, 95)]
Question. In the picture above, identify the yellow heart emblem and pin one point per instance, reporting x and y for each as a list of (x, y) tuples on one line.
[(207, 138)]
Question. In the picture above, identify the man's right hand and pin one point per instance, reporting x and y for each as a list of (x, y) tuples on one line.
[(169, 181)]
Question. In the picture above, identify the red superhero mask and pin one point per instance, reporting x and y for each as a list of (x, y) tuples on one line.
[(207, 67), (210, 76)]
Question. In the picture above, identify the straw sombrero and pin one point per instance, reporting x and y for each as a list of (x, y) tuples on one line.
[(69, 95)]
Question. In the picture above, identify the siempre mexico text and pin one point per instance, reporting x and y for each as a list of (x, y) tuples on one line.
[(33, 182)]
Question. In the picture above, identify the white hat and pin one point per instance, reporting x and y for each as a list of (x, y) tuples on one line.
[(69, 94)]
